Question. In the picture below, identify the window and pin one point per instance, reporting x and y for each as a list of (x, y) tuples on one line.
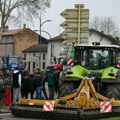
[(25, 64), (43, 65), (28, 66), (70, 52), (43, 56), (25, 56), (34, 54), (33, 65), (52, 50)]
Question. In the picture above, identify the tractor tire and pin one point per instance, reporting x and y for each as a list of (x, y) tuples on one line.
[(112, 91), (66, 87)]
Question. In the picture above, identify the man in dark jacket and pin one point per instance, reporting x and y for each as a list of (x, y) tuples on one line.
[(31, 85), (24, 87), (52, 80)]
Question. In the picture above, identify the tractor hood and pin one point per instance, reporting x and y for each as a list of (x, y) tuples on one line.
[(77, 71)]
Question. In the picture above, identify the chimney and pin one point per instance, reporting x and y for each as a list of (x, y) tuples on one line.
[(24, 25)]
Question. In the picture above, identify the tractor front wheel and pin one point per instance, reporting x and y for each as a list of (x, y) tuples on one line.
[(65, 88)]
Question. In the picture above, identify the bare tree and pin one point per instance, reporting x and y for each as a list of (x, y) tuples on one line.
[(107, 25), (21, 10)]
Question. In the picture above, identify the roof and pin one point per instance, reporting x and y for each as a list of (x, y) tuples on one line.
[(57, 38), (114, 40), (12, 32), (15, 31), (36, 48)]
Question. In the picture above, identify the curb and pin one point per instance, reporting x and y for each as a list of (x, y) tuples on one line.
[(4, 111)]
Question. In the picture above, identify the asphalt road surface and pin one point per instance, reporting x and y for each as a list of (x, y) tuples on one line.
[(9, 116)]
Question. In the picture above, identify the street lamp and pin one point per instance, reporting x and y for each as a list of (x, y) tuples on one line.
[(40, 38), (41, 26)]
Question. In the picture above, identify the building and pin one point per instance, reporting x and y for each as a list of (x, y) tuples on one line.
[(35, 56), (13, 42), (54, 48), (96, 36)]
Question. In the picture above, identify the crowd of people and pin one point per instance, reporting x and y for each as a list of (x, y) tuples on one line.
[(25, 84)]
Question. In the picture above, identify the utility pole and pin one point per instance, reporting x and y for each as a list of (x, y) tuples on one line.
[(40, 45), (40, 39)]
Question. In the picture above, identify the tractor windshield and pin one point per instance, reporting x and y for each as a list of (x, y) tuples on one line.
[(95, 58), (70, 52)]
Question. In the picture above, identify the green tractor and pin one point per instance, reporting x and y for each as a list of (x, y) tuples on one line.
[(98, 62)]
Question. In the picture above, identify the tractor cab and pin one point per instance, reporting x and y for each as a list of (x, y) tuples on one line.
[(94, 57), (10, 62)]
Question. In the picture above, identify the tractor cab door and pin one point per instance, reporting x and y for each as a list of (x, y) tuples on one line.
[(69, 59)]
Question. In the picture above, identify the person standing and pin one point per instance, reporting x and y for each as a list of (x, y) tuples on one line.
[(1, 91), (31, 85), (16, 84), (52, 80), (39, 85), (11, 74), (24, 87)]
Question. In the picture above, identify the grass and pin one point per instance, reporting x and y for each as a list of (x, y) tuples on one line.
[(112, 118)]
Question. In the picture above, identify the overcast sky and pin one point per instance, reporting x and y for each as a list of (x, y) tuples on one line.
[(99, 8)]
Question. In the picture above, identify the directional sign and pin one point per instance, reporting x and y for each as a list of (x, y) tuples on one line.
[(76, 24), (71, 36), (73, 14)]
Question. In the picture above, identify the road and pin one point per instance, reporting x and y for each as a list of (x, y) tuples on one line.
[(9, 116)]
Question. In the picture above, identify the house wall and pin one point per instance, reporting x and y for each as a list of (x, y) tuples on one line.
[(23, 41), (32, 61), (94, 37), (56, 49), (6, 45)]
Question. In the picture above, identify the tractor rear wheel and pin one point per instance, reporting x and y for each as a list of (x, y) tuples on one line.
[(112, 91)]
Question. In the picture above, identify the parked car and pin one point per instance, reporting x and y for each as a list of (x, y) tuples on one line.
[(55, 67)]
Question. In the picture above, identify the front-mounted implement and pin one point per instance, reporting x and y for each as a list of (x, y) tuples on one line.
[(85, 103)]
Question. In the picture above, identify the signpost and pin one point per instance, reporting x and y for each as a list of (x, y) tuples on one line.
[(76, 25)]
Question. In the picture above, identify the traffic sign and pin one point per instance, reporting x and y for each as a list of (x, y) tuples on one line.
[(76, 24), (73, 14)]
